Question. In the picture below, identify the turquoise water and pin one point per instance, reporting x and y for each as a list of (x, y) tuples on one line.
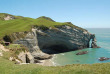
[(103, 40)]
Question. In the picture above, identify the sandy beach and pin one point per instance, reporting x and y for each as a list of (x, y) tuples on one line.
[(47, 62)]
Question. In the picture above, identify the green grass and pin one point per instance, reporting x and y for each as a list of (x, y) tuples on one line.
[(15, 49), (8, 67), (21, 24), (13, 46)]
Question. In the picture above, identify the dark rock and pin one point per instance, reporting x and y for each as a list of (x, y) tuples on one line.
[(36, 61), (103, 58), (93, 44), (43, 57), (81, 53)]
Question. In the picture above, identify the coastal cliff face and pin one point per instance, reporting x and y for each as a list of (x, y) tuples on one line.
[(44, 36), (53, 40), (56, 40), (64, 39)]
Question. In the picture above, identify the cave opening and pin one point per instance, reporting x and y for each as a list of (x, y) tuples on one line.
[(55, 49), (7, 39)]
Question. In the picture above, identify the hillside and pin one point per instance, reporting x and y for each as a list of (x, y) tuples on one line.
[(43, 33), (20, 24)]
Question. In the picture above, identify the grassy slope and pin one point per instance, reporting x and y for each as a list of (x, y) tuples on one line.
[(8, 67), (24, 24)]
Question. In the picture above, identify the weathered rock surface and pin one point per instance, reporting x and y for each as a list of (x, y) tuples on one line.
[(59, 39), (29, 40), (53, 40), (81, 53), (42, 56), (94, 45), (103, 58), (26, 57), (64, 39)]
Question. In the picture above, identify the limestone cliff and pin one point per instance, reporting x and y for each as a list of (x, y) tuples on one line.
[(64, 39), (48, 36), (59, 39), (53, 40)]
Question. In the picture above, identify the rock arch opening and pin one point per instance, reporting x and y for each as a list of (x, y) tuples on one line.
[(90, 43)]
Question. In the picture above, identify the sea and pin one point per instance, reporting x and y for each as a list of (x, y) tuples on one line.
[(103, 40)]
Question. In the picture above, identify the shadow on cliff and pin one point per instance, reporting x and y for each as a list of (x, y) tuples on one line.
[(56, 49)]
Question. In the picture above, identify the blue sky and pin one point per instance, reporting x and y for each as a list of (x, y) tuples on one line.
[(83, 13)]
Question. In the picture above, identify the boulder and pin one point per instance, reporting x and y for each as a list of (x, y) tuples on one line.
[(42, 56), (81, 53), (26, 57), (29, 58), (103, 58), (22, 57)]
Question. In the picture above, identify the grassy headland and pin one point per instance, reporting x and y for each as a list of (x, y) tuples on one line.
[(20, 24)]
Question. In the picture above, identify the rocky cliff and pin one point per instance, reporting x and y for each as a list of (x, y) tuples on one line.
[(48, 37), (61, 39), (55, 40)]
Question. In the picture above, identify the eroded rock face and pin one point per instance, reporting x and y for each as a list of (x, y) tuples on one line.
[(30, 41), (55, 40), (63, 39), (26, 57), (94, 45)]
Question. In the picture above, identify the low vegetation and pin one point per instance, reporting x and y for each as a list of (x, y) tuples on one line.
[(15, 49), (8, 67)]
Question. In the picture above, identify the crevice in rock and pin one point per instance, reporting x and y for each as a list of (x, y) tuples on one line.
[(27, 59)]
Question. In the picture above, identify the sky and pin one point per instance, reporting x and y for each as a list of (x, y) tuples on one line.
[(83, 13)]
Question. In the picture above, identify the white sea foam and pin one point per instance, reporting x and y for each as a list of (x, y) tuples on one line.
[(54, 56), (62, 54)]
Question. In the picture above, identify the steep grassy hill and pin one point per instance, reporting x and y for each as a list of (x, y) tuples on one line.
[(20, 24)]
